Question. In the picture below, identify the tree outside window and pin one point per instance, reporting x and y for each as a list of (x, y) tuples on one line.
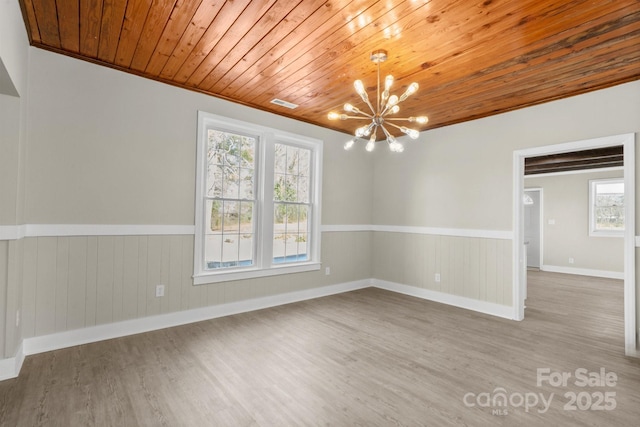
[(607, 207)]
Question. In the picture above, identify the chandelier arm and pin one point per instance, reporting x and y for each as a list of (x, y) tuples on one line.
[(413, 134), (386, 132), (406, 119), (387, 108), (366, 117), (392, 124), (366, 100)]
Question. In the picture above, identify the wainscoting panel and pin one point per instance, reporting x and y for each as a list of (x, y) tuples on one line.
[(471, 267), (74, 282)]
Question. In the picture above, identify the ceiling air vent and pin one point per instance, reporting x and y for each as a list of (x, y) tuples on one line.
[(282, 103)]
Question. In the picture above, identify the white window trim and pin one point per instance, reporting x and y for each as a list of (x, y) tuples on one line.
[(268, 137), (592, 221)]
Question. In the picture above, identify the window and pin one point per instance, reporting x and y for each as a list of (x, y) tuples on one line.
[(257, 201), (606, 207), (229, 200), (291, 204)]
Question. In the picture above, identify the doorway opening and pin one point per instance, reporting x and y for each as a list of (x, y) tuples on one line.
[(533, 227), (519, 248)]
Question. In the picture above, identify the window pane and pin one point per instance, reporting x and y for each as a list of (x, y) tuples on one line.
[(285, 188), (246, 218), (231, 177), (609, 206), (280, 161), (303, 247), (230, 165), (230, 250), (241, 246), (213, 216), (214, 140), (214, 181), (246, 184), (212, 251), (610, 188), (303, 189), (305, 162), (293, 157), (229, 235), (292, 189), (279, 187), (213, 234), (248, 153), (291, 237), (246, 249), (610, 218), (292, 170), (230, 217)]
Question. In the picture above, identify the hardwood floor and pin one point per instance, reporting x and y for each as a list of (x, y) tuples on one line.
[(364, 358)]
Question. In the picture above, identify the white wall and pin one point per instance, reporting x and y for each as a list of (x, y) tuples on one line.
[(106, 147), (458, 179), (13, 91), (13, 106), (566, 202), (460, 176), (9, 160), (13, 52)]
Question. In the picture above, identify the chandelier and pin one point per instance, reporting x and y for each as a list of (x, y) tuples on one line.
[(381, 113)]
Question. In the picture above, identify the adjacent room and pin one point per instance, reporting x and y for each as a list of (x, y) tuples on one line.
[(284, 213)]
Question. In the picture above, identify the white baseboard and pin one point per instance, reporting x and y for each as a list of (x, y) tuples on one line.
[(632, 352), (135, 326), (583, 272), (10, 368), (493, 309)]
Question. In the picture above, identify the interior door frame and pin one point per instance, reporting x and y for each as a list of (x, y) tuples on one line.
[(518, 250), (540, 191)]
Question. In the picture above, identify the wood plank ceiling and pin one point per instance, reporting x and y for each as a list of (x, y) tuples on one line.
[(471, 58)]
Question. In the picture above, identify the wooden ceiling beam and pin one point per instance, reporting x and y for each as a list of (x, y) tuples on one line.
[(577, 160)]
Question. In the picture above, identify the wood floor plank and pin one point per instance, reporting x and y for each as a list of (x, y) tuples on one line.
[(368, 357)]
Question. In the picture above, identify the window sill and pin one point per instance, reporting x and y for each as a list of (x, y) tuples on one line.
[(606, 233), (226, 276)]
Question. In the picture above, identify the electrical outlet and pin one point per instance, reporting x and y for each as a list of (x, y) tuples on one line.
[(160, 290), (552, 222), (327, 271), (570, 260), (437, 277)]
